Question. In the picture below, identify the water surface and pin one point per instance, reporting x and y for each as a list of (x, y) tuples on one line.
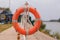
[(53, 26)]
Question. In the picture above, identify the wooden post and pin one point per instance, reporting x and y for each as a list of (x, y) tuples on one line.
[(18, 36)]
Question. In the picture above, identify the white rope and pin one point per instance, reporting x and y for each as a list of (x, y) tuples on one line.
[(24, 20)]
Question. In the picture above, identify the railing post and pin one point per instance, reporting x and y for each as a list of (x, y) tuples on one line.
[(18, 36)]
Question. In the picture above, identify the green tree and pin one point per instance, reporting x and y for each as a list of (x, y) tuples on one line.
[(59, 20), (42, 27), (7, 9)]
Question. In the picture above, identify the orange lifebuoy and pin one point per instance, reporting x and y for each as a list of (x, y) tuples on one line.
[(33, 29)]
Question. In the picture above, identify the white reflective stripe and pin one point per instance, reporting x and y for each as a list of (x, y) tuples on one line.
[(37, 19), (14, 21)]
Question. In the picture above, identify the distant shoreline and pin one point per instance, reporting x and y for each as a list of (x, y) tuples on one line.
[(50, 21)]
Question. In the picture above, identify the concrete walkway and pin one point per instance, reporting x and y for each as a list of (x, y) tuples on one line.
[(10, 34)]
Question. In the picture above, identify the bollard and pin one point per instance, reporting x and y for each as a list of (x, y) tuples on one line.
[(18, 36)]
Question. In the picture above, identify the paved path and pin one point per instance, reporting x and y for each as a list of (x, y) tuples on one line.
[(10, 34)]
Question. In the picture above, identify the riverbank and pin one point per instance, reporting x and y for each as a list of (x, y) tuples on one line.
[(4, 27), (53, 26)]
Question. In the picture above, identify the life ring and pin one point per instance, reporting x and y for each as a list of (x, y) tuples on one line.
[(17, 26)]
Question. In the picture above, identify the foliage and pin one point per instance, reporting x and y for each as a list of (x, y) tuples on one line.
[(42, 26), (7, 9), (56, 35), (19, 19), (59, 20), (32, 22), (46, 31), (4, 27)]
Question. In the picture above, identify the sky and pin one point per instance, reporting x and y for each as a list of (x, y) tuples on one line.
[(48, 9)]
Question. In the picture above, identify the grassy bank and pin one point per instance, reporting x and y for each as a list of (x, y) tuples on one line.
[(4, 27)]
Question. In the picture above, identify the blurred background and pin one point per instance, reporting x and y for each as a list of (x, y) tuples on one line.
[(48, 9)]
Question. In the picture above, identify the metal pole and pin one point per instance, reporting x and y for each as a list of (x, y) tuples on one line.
[(18, 36), (9, 3)]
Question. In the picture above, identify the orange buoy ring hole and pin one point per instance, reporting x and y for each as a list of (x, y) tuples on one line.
[(17, 26)]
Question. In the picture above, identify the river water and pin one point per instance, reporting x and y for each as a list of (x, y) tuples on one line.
[(53, 26)]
